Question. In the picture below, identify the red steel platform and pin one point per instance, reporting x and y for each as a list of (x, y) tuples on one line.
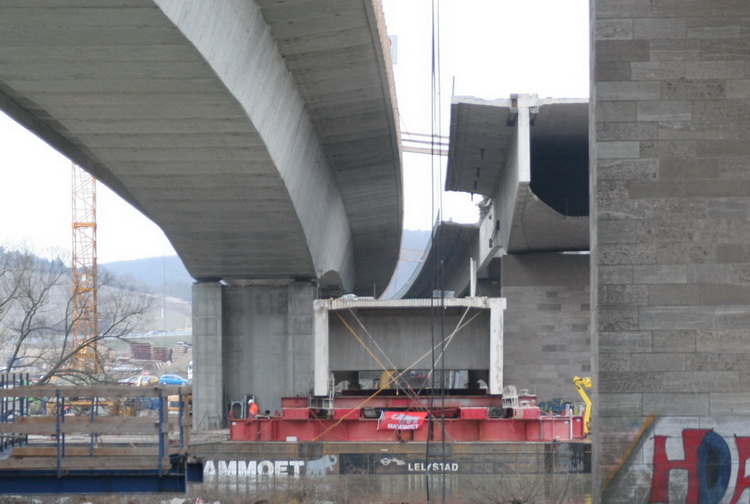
[(393, 418)]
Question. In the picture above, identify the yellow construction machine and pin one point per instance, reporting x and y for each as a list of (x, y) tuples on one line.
[(582, 383)]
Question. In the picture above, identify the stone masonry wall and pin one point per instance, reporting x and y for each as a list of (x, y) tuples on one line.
[(546, 326), (670, 243)]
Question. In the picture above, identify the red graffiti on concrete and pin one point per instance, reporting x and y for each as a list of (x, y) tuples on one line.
[(708, 462)]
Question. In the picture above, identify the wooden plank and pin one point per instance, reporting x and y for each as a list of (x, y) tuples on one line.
[(122, 421), (102, 391), (86, 425), (46, 428), (85, 451), (36, 419), (83, 463), (187, 420)]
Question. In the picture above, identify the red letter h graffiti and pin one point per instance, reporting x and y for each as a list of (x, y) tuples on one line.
[(691, 440)]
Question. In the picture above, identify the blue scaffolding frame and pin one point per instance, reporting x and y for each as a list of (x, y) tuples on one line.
[(48, 462)]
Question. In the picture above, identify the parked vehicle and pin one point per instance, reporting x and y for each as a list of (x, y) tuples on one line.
[(172, 379), (140, 380), (128, 381), (173, 404)]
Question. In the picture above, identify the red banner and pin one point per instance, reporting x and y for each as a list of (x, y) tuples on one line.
[(401, 420)]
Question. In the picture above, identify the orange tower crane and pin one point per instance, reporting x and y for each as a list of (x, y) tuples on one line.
[(85, 326)]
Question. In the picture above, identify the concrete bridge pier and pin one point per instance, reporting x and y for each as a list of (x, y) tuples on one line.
[(254, 338), (208, 383)]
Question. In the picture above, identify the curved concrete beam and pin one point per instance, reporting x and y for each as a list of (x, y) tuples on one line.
[(338, 53), (255, 166), (236, 42), (505, 150)]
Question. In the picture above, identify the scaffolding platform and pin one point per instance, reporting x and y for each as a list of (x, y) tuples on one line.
[(93, 439)]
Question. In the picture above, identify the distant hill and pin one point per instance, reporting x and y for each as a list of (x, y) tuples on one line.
[(158, 275)]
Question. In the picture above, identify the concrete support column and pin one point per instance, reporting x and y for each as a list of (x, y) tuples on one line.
[(268, 341), (208, 407), (497, 307), (320, 356), (670, 249)]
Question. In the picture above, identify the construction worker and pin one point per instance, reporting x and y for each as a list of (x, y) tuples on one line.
[(252, 408)]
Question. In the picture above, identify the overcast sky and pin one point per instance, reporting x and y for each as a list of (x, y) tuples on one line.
[(488, 49)]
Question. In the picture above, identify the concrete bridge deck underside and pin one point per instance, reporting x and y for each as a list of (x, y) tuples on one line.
[(260, 137)]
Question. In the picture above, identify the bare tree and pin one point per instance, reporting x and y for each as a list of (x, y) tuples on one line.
[(121, 310), (37, 316), (27, 290)]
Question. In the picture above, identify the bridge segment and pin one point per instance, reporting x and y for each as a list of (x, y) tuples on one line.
[(238, 127), (261, 136), (528, 158)]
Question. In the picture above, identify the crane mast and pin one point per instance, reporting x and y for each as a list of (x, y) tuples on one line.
[(85, 327)]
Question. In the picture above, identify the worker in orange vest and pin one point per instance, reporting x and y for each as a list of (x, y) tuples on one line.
[(252, 408)]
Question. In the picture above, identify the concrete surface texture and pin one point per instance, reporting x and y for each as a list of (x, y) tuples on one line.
[(250, 340), (239, 127), (209, 404), (670, 249), (547, 340), (528, 157), (370, 335), (267, 342), (446, 264)]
